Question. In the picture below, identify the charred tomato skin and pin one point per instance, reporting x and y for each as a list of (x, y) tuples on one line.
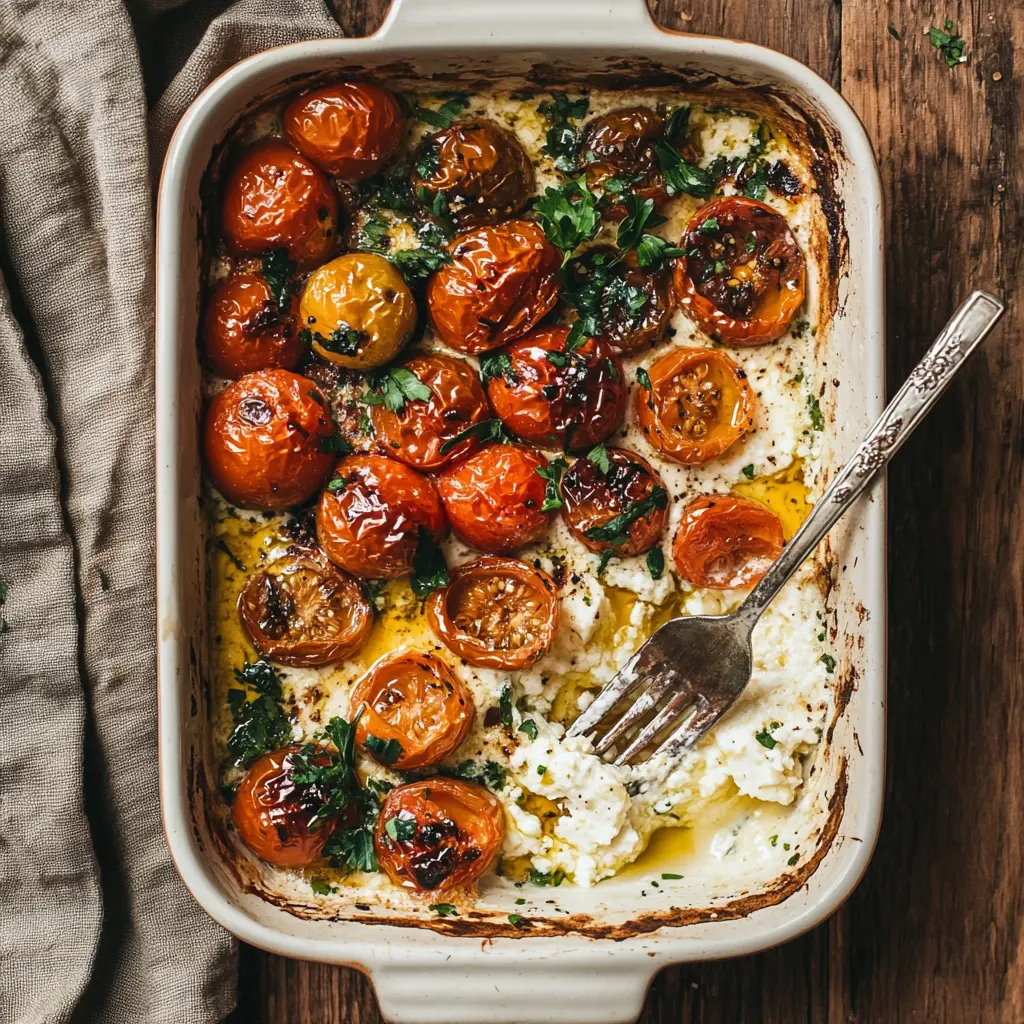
[(370, 524), (348, 129), (571, 403), (592, 499), (493, 499), (699, 405), (480, 167), (416, 434), (496, 613), (416, 700), (726, 541), (458, 829), (302, 610), (503, 279), (264, 440), (742, 279), (275, 197)]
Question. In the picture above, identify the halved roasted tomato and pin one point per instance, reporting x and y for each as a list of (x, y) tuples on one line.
[(726, 541), (275, 197), (742, 278), (494, 499), (266, 440), (560, 398), (417, 433), (614, 502), (350, 129), (416, 712), (302, 610), (500, 283), (694, 404), (496, 613), (371, 514), (438, 834)]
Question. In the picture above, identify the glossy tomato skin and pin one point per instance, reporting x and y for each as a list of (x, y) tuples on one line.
[(480, 167), (369, 523), (272, 813), (496, 613), (416, 434), (700, 404), (416, 700), (570, 402), (742, 278), (593, 499), (274, 197), (265, 440), (302, 610), (726, 541), (501, 282), (349, 129), (456, 831), (244, 330), (493, 499)]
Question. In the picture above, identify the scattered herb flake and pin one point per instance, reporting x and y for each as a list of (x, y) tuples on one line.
[(446, 113), (497, 364), (383, 751), (505, 706), (278, 272), (681, 176), (615, 531), (487, 430), (599, 458), (748, 471), (320, 887), (552, 473), (656, 563), (765, 738), (400, 827), (529, 727), (829, 662), (568, 215), (393, 387), (429, 569), (668, 876), (489, 773), (895, 32), (814, 411), (444, 909), (949, 43)]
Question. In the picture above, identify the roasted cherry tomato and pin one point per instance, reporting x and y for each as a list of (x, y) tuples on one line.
[(726, 541), (595, 503), (275, 197), (245, 330), (481, 169), (273, 813), (557, 398), (496, 613), (350, 129), (415, 700), (371, 514), (266, 440), (502, 280), (636, 304), (302, 610), (416, 434), (359, 310), (699, 403), (742, 278), (494, 499), (620, 145), (438, 834)]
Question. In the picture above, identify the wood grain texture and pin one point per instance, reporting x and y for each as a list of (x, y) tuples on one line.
[(935, 932)]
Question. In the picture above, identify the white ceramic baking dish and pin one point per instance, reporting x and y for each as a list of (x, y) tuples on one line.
[(594, 964)]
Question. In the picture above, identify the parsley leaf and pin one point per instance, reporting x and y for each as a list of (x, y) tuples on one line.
[(490, 773), (278, 272), (529, 727), (260, 726), (544, 878), (748, 471), (418, 264), (643, 378), (400, 827), (599, 458), (444, 909), (387, 191), (320, 887), (336, 444), (568, 215), (518, 920), (497, 364), (615, 530), (656, 563), (552, 472), (681, 176), (756, 185), (487, 430), (765, 738), (949, 43), (562, 140), (829, 662), (677, 125), (602, 562), (895, 32), (384, 751), (443, 117), (639, 214), (429, 569), (352, 848), (391, 388), (653, 250), (814, 411), (505, 706), (261, 676)]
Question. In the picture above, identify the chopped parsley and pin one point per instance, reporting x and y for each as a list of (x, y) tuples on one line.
[(454, 104), (418, 264), (487, 430), (490, 773), (505, 706), (400, 828), (668, 876), (542, 769), (335, 444), (656, 563), (643, 378), (545, 878), (756, 185), (562, 140), (384, 751), (444, 909), (814, 411), (895, 32), (829, 662), (681, 176), (765, 738), (792, 860), (653, 250), (279, 272), (773, 840), (599, 458), (261, 676), (497, 364), (517, 920), (568, 215), (260, 726), (615, 531), (748, 471), (552, 473), (602, 562), (344, 340), (529, 727), (393, 387), (221, 545), (320, 887), (948, 42), (677, 125), (639, 215), (429, 569)]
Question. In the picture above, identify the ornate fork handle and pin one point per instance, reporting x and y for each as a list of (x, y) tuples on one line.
[(932, 375)]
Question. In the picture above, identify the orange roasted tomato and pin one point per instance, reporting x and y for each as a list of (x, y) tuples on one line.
[(275, 197), (694, 403), (245, 330), (438, 834), (416, 712), (273, 813), (614, 500), (416, 434), (496, 613), (479, 167), (502, 280), (726, 541), (557, 398), (742, 278), (302, 610), (494, 499), (350, 129), (370, 517), (268, 440)]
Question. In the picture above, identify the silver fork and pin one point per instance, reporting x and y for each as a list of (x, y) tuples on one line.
[(691, 671)]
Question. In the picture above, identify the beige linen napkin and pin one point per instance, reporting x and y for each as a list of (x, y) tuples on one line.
[(95, 925)]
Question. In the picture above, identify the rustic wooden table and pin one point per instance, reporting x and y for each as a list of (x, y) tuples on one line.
[(935, 932)]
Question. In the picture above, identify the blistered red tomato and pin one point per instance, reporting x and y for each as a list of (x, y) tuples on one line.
[(370, 517), (620, 145), (267, 440)]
